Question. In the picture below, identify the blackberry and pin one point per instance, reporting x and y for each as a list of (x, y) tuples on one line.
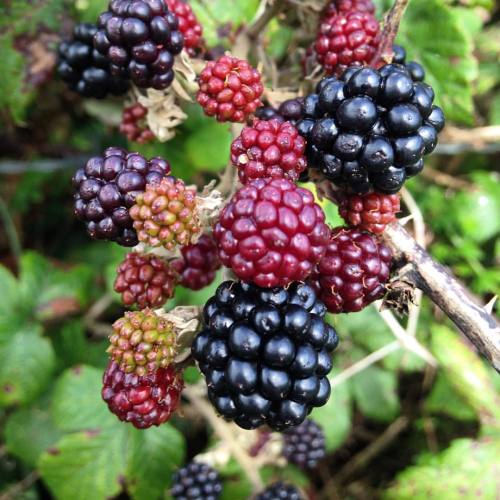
[(353, 272), (142, 400), (280, 491), (416, 70), (271, 233), (145, 280), (346, 6), (106, 188), (140, 38), (84, 69), (289, 110), (134, 124), (270, 148), (265, 353), (198, 263), (230, 89), (371, 128), (189, 25), (304, 445), (196, 481)]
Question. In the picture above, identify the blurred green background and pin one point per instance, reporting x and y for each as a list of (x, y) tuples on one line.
[(397, 429)]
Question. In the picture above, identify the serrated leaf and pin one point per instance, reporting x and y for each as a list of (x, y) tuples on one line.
[(30, 431), (154, 455), (77, 402), (28, 362), (467, 469), (88, 464), (374, 391), (335, 417)]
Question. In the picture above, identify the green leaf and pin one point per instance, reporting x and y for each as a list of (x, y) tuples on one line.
[(467, 469), (467, 374), (374, 391), (77, 402), (448, 58), (30, 431), (10, 315), (83, 465), (335, 417), (27, 364), (154, 455)]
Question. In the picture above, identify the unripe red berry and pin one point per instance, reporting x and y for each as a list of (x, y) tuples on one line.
[(134, 126), (189, 25)]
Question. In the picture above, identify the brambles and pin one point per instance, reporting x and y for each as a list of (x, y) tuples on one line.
[(265, 354), (189, 26), (196, 481), (198, 263), (371, 212), (304, 445), (84, 69), (165, 214), (145, 280), (230, 89), (142, 400), (134, 126), (353, 272), (271, 233), (371, 128), (107, 187), (272, 149), (140, 38), (280, 491), (142, 342)]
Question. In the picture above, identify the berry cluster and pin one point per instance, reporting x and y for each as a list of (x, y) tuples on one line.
[(280, 491), (196, 481), (140, 38), (230, 89), (189, 26), (84, 69), (304, 445), (106, 189), (265, 353), (371, 128), (133, 125)]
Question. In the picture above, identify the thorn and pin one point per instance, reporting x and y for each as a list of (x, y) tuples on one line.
[(490, 305)]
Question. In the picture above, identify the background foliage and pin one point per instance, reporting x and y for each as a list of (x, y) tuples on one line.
[(421, 425)]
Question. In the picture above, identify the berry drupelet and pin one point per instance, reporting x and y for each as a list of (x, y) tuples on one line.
[(140, 38), (107, 187), (304, 445), (145, 280), (189, 26), (289, 110), (134, 124), (271, 233), (142, 400), (353, 272), (196, 481), (371, 212), (230, 89), (265, 354), (198, 263), (271, 148), (371, 128), (84, 69), (346, 6), (280, 491)]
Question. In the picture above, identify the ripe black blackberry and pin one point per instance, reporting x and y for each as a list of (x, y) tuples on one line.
[(106, 188), (280, 491), (304, 445), (371, 128), (416, 70), (265, 353), (196, 481), (289, 111), (84, 69), (140, 38)]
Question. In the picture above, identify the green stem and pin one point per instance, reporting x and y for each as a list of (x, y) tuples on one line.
[(10, 230)]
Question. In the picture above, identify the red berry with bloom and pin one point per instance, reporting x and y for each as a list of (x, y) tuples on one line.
[(145, 280), (344, 40), (134, 126), (269, 149), (142, 400), (189, 25), (230, 89), (271, 233), (370, 212), (353, 272), (198, 263)]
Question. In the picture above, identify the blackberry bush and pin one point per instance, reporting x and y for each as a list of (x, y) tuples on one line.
[(371, 128), (265, 354), (84, 69), (140, 38), (196, 481), (106, 189)]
